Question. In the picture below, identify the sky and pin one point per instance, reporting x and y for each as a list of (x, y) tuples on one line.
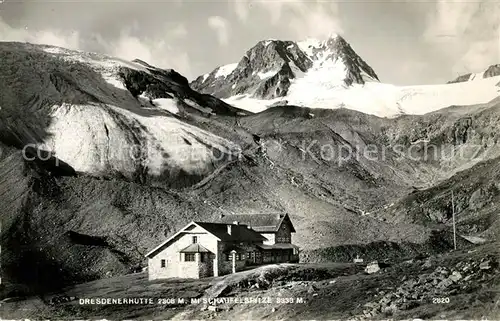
[(405, 42)]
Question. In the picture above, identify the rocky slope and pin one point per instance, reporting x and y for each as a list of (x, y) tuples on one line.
[(72, 211), (108, 117), (476, 200), (89, 228)]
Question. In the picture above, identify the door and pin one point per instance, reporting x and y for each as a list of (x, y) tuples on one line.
[(258, 257)]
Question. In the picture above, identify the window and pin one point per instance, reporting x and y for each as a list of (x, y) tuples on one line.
[(163, 263), (189, 257), (283, 239), (195, 239), (228, 257), (249, 254)]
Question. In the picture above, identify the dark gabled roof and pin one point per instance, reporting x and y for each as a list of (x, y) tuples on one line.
[(239, 233), (195, 248), (234, 248), (259, 222)]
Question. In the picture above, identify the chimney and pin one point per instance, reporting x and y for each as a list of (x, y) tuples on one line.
[(229, 229)]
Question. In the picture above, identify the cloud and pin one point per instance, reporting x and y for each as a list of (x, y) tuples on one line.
[(156, 51), (179, 32), (478, 56), (241, 8), (275, 8), (468, 33), (303, 18), (449, 19), (316, 20), (66, 39), (221, 27)]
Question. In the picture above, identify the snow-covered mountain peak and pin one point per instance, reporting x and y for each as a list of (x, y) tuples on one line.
[(328, 73), (309, 45), (270, 67)]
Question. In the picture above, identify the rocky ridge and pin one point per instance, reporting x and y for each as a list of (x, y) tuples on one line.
[(491, 71)]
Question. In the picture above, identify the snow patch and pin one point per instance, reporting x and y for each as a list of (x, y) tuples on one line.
[(320, 80), (167, 104), (321, 89), (226, 70), (105, 65), (310, 44), (168, 135), (114, 81), (55, 50), (249, 103), (267, 74), (476, 76), (296, 70), (89, 138)]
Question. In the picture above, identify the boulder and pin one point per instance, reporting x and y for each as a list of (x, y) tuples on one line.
[(445, 283), (427, 264), (485, 265), (373, 267), (455, 276), (311, 289), (466, 267), (476, 200), (368, 313)]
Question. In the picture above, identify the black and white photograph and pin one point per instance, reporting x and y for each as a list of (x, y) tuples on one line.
[(249, 160)]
